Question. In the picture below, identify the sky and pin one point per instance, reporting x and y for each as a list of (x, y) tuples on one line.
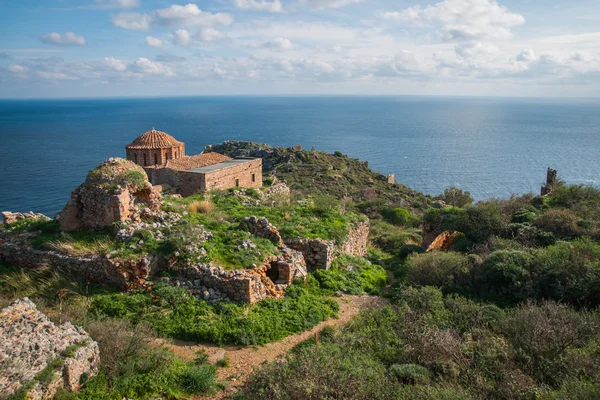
[(98, 48)]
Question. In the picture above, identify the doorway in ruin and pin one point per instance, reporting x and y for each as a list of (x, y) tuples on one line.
[(273, 272)]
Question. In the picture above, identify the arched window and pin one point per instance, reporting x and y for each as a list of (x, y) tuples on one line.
[(155, 158), (135, 158), (145, 160)]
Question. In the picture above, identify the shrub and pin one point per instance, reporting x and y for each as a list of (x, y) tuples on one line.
[(353, 275), (397, 216), (562, 223), (223, 363), (570, 271), (544, 334), (411, 373), (505, 276), (198, 379), (449, 271), (456, 197)]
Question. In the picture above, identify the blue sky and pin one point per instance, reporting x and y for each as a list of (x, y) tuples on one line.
[(89, 48)]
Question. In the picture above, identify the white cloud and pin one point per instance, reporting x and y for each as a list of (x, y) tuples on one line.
[(154, 42), (60, 76), (117, 3), (526, 55), (183, 37), (322, 4), (190, 15), (67, 39), (279, 43), (132, 21), (476, 49), (114, 64), (18, 69), (259, 5), (462, 20), (145, 66)]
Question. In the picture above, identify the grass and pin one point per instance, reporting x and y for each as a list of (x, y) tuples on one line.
[(172, 312)]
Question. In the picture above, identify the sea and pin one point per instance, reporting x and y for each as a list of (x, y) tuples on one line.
[(491, 147)]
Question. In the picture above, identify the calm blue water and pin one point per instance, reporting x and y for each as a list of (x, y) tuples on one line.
[(491, 147)]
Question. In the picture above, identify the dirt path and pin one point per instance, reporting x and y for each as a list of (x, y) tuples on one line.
[(242, 360)]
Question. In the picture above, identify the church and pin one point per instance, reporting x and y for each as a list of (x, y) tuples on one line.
[(164, 160)]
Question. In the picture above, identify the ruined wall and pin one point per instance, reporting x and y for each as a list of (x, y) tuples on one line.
[(243, 173), (29, 342), (127, 274), (319, 253), (357, 239)]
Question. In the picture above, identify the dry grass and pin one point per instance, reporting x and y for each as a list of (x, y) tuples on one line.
[(79, 249), (201, 206)]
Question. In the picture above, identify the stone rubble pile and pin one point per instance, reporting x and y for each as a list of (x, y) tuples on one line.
[(30, 343), (12, 217), (261, 227), (148, 220)]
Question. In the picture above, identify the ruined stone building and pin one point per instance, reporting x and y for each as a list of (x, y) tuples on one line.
[(164, 160)]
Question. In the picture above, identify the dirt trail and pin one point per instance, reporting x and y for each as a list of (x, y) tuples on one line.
[(242, 360)]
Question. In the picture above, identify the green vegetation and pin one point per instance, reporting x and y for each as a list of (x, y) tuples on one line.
[(427, 346), (351, 275)]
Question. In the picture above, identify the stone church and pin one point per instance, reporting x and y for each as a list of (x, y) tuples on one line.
[(164, 160)]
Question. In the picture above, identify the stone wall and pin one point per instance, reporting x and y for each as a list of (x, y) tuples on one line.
[(30, 342), (127, 274), (261, 227), (319, 253), (188, 183), (215, 284), (551, 182), (248, 174)]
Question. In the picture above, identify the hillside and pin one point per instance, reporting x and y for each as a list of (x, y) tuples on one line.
[(310, 171)]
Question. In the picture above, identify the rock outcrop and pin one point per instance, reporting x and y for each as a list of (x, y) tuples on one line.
[(111, 193), (12, 217), (37, 357), (551, 182), (445, 241)]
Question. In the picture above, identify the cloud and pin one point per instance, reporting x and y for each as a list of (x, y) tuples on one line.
[(322, 4), (183, 37), (279, 43), (476, 49), (169, 58), (259, 5), (132, 21), (154, 42), (188, 15), (4, 56), (145, 66), (68, 39), (114, 64), (18, 69), (526, 55), (462, 20), (116, 4)]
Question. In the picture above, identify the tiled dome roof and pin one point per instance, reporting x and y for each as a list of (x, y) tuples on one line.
[(154, 140)]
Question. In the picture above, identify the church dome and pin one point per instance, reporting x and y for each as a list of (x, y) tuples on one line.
[(154, 140)]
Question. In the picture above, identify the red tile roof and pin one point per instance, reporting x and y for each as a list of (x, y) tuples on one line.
[(154, 140), (197, 161)]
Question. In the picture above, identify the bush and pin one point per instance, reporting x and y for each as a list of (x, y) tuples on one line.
[(397, 216), (456, 197), (411, 373), (543, 334), (562, 223), (198, 379), (505, 276), (449, 271)]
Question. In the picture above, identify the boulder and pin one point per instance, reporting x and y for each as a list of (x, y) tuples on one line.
[(445, 241), (111, 193), (37, 357), (12, 217)]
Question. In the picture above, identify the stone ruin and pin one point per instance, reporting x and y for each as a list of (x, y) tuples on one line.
[(551, 182), (37, 357), (111, 193), (12, 217), (445, 240)]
